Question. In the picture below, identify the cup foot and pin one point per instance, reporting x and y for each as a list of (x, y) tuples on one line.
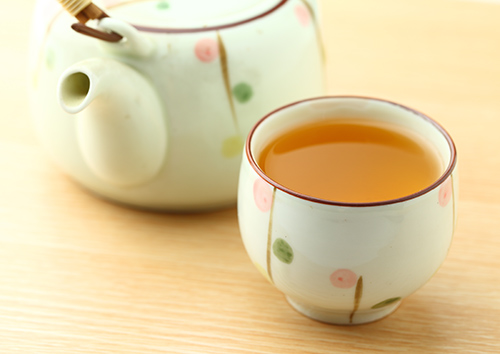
[(340, 317)]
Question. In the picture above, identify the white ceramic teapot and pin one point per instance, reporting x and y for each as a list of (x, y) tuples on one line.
[(158, 119)]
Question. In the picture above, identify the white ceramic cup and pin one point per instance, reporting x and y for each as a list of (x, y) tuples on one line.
[(346, 263)]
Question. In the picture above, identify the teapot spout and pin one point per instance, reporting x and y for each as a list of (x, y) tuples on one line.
[(120, 125)]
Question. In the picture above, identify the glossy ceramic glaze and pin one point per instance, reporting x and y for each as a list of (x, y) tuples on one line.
[(158, 120), (338, 262)]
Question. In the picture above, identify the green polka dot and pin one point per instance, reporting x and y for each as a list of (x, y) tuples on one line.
[(386, 302), (162, 5), (232, 146), (49, 59), (283, 251), (243, 92)]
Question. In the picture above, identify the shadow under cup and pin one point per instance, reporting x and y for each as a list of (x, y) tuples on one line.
[(345, 263)]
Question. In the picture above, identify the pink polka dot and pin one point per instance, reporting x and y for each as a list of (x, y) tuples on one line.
[(445, 192), (206, 49), (303, 15), (343, 278), (263, 195)]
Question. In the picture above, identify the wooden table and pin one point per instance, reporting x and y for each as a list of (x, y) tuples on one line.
[(80, 275)]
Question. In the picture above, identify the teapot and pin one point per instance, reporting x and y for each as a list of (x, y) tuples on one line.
[(157, 119)]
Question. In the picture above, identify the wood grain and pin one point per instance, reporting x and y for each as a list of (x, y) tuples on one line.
[(81, 275)]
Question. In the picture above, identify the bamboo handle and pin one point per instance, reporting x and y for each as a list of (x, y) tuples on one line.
[(83, 10)]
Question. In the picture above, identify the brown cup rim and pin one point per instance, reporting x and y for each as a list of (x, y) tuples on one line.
[(438, 182), (211, 28)]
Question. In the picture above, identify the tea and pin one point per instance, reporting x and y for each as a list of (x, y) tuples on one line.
[(351, 161)]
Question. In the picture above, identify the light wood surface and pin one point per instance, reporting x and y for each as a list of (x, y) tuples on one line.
[(81, 275)]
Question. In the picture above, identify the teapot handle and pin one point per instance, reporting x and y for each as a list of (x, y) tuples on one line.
[(91, 32), (133, 42), (122, 37), (85, 10)]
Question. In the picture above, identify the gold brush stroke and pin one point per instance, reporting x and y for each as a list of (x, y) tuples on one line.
[(357, 297), (225, 75), (269, 238), (319, 38)]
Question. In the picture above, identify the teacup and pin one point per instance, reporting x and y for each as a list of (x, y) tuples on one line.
[(341, 262)]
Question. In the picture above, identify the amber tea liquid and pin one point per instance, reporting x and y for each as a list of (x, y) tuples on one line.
[(351, 161)]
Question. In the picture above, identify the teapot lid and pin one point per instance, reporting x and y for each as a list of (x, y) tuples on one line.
[(185, 15)]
